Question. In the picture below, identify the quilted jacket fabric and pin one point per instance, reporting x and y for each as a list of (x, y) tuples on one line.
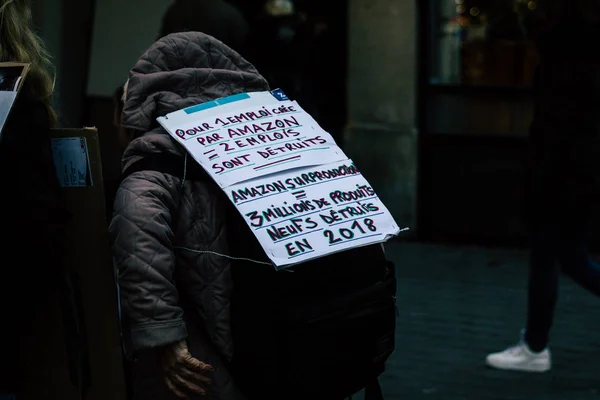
[(167, 233)]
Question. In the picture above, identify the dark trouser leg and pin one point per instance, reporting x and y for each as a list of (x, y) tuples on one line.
[(566, 244), (543, 286)]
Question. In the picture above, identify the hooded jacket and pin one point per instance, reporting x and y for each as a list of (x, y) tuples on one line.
[(169, 234)]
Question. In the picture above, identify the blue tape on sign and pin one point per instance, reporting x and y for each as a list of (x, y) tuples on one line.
[(279, 95), (216, 103)]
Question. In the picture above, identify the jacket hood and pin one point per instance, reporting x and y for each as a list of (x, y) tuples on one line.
[(178, 71)]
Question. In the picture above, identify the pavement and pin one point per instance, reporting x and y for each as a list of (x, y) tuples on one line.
[(456, 304)]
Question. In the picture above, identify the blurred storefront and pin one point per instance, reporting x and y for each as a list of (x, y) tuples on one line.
[(475, 107)]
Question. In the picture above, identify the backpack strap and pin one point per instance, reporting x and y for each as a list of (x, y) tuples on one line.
[(171, 164)]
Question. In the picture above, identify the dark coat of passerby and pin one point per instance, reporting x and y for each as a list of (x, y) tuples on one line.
[(169, 234), (31, 213), (564, 172)]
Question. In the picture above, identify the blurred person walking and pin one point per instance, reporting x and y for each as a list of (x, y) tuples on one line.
[(564, 174), (31, 213)]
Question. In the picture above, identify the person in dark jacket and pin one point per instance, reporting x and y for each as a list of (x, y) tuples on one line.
[(169, 234), (216, 18), (31, 213), (564, 173)]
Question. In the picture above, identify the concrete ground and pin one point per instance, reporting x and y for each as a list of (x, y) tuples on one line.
[(458, 304)]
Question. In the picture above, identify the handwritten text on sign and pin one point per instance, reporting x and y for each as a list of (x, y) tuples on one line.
[(252, 143), (308, 213)]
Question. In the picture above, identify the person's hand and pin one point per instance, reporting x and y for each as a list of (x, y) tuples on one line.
[(183, 373)]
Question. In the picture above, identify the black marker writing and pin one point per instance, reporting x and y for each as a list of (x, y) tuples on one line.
[(260, 218), (298, 247), (361, 192)]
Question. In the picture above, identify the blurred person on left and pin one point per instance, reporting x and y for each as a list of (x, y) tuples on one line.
[(32, 216)]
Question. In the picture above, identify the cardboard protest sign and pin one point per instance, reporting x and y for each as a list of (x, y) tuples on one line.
[(12, 76), (296, 189), (247, 143), (307, 213)]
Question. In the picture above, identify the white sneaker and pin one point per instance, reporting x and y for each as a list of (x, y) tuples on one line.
[(520, 358)]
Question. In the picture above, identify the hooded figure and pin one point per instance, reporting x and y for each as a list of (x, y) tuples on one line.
[(169, 234)]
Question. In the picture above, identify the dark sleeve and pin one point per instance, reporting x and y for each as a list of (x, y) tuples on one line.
[(43, 200), (142, 238), (33, 219), (34, 211)]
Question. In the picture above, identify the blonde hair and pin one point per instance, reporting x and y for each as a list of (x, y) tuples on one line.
[(19, 43)]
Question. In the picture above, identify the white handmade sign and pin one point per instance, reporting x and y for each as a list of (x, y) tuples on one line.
[(308, 213), (296, 189), (248, 143)]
